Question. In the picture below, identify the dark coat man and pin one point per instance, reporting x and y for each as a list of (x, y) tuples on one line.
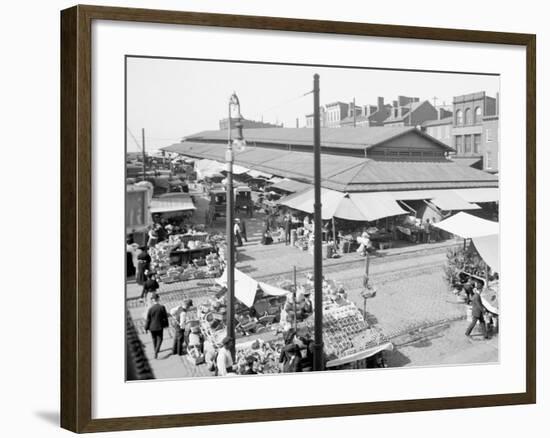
[(477, 314), (157, 321)]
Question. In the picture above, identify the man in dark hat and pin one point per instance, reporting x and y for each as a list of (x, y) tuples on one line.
[(150, 285), (477, 314), (156, 322), (224, 361)]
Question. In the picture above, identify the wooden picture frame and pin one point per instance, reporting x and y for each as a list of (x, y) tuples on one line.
[(76, 217)]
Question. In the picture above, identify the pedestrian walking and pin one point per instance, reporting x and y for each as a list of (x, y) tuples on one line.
[(144, 259), (150, 286), (242, 225), (237, 233), (288, 228), (477, 314), (156, 322), (468, 288)]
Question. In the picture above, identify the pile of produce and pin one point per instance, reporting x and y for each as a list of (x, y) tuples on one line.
[(266, 355), (461, 260), (204, 267)]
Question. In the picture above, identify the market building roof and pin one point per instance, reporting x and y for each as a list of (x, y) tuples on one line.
[(344, 138), (347, 173)]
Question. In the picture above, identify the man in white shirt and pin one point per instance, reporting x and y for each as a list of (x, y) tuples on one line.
[(224, 361)]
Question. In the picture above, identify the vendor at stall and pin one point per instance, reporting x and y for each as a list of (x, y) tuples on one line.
[(364, 243), (224, 360)]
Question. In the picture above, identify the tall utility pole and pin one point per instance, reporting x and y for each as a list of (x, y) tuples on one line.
[(143, 150), (318, 249)]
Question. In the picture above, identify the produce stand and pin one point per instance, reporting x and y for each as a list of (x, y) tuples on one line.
[(182, 258), (349, 340), (347, 336)]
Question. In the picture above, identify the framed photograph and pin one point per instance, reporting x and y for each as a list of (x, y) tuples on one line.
[(270, 219)]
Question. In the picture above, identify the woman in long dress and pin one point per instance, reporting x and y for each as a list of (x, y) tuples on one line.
[(144, 259)]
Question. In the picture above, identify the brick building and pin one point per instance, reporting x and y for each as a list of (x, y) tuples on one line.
[(340, 114), (410, 111), (475, 130)]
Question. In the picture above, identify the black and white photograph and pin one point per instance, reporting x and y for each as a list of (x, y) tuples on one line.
[(286, 218)]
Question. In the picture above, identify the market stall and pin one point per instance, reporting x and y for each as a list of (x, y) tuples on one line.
[(347, 336), (477, 260), (356, 207), (185, 257), (172, 205)]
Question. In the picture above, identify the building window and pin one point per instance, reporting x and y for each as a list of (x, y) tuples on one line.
[(467, 144), (468, 116), (459, 120), (477, 142), (488, 135), (477, 116), (458, 144), (488, 160)]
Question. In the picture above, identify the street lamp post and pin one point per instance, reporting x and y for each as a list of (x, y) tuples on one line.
[(234, 105)]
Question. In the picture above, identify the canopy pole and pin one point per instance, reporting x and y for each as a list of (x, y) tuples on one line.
[(294, 293), (333, 232), (318, 248)]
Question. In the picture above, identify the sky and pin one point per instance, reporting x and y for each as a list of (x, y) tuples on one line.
[(173, 98)]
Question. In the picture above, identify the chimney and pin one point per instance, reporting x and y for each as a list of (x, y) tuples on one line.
[(297, 123), (395, 103), (380, 103), (402, 100)]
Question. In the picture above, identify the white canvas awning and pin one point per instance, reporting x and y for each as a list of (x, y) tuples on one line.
[(483, 194), (176, 202), (468, 226), (488, 249), (351, 206), (246, 287), (448, 201)]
